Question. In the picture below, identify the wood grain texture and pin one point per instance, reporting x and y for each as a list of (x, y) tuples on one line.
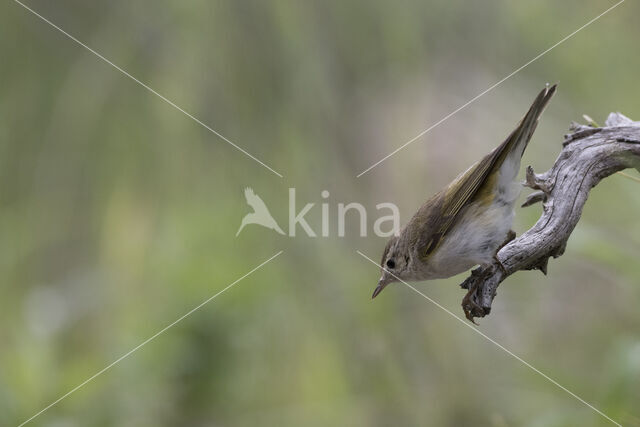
[(589, 154)]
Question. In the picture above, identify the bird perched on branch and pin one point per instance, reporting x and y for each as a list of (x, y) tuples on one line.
[(467, 222)]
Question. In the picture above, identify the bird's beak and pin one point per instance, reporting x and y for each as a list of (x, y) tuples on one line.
[(382, 283)]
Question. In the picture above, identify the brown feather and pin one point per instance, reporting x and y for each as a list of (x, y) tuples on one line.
[(475, 184)]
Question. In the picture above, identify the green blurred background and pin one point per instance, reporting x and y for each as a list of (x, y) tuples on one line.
[(118, 214)]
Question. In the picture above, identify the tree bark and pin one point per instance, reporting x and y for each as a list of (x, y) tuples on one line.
[(589, 154)]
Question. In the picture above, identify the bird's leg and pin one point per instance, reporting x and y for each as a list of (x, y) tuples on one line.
[(470, 307), (510, 236), (474, 284), (471, 279)]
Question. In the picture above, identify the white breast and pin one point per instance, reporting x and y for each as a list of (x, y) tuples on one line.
[(476, 237)]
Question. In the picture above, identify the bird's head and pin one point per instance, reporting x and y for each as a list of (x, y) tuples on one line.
[(394, 264)]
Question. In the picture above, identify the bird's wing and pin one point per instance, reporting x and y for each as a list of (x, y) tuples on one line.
[(464, 188)]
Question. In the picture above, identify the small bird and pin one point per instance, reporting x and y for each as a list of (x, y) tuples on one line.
[(467, 222), (260, 214)]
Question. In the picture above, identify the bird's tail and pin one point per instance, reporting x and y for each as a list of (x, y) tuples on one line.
[(519, 138)]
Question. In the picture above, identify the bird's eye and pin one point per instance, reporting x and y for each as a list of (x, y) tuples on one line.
[(391, 263)]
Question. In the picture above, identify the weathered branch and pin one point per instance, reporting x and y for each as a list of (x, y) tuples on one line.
[(589, 154)]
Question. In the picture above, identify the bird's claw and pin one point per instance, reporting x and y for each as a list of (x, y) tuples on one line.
[(470, 281), (470, 307)]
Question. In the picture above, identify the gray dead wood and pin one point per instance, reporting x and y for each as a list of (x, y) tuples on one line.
[(589, 154)]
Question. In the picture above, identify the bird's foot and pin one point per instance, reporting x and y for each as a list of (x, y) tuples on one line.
[(510, 236), (471, 303), (471, 308), (475, 274), (499, 264)]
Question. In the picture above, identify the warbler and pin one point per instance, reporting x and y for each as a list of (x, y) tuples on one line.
[(468, 221)]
